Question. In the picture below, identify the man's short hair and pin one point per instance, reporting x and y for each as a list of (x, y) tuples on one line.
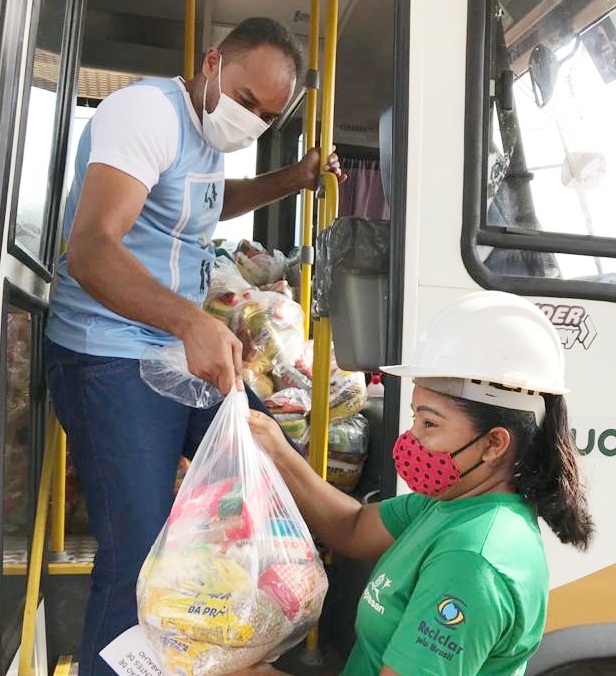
[(258, 31)]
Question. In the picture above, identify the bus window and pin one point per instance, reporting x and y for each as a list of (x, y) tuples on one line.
[(548, 167), (80, 120), (16, 470), (32, 203), (22, 419), (240, 164)]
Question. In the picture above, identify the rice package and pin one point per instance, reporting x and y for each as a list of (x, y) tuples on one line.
[(234, 577)]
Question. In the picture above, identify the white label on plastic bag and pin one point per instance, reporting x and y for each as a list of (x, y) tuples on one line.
[(131, 655)]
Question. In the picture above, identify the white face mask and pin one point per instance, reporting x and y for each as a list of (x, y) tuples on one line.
[(230, 126)]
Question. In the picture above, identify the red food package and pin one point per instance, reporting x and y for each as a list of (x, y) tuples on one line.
[(216, 512), (290, 400), (290, 585)]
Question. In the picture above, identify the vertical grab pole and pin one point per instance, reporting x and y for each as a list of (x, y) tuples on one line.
[(190, 20), (327, 211), (329, 83), (312, 84), (37, 550), (58, 497)]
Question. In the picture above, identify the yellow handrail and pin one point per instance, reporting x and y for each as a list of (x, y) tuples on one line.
[(190, 20), (329, 81), (35, 563), (329, 185), (328, 209), (58, 498), (310, 142), (63, 666)]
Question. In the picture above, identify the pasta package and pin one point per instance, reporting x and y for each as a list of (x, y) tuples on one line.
[(234, 577)]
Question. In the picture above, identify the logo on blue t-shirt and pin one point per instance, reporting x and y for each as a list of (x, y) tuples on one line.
[(210, 196), (449, 611)]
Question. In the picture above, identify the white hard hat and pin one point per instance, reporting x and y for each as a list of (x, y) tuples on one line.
[(493, 337)]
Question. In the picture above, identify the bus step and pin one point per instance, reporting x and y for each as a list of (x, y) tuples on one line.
[(78, 558)]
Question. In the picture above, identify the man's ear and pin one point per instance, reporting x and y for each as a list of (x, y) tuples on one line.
[(498, 442), (209, 65)]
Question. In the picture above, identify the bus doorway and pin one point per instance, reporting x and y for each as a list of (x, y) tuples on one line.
[(500, 178)]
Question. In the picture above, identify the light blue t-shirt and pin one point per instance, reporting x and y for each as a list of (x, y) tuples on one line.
[(171, 236)]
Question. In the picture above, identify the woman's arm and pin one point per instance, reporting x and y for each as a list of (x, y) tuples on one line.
[(337, 519)]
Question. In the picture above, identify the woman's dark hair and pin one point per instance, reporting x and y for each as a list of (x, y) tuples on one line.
[(545, 471), (259, 31)]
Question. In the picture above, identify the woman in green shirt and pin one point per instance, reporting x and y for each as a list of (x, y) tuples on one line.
[(461, 582)]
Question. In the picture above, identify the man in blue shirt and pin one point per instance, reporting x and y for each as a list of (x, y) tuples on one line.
[(149, 189)]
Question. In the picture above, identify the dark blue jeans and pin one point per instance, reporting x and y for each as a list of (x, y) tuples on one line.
[(125, 442)]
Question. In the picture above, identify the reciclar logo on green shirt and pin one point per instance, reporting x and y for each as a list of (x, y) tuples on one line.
[(450, 614)]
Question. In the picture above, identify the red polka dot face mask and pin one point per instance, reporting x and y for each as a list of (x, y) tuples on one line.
[(426, 472)]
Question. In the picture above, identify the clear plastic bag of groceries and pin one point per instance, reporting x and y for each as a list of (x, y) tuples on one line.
[(270, 326), (257, 265), (226, 289), (165, 370), (234, 577)]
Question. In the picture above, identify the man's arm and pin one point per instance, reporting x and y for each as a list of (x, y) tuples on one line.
[(244, 195), (110, 202)]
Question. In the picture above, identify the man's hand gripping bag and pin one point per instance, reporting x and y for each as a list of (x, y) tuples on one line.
[(233, 577)]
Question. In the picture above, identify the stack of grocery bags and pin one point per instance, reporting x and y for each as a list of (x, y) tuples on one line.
[(247, 292)]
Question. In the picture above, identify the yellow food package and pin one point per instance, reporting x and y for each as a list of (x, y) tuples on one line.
[(347, 408), (179, 652), (207, 617), (197, 571), (186, 657)]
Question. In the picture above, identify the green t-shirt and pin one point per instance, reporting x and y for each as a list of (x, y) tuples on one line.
[(463, 590)]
